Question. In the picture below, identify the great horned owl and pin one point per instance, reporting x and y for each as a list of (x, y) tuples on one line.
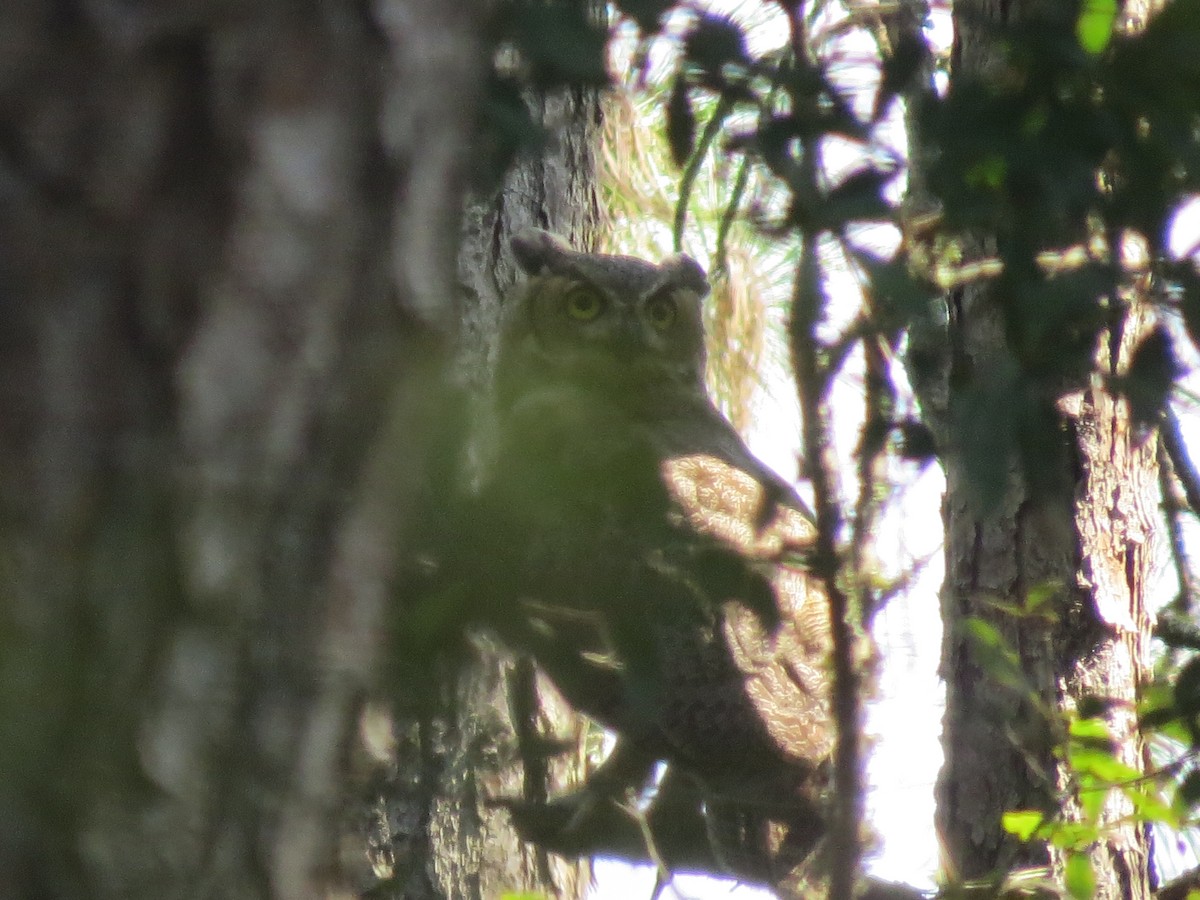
[(656, 566)]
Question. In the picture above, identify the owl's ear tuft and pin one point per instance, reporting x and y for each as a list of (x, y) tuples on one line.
[(539, 251), (681, 269)]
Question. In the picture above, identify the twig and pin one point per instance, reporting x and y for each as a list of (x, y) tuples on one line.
[(1180, 887), (692, 169), (812, 380), (1172, 441), (643, 823), (730, 214), (1172, 510), (739, 186), (903, 582), (880, 403)]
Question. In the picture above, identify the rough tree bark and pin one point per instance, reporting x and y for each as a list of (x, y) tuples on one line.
[(227, 290), (1093, 548), (433, 831), (1096, 551)]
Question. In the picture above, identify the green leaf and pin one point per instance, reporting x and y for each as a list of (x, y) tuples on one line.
[(1074, 835), (1150, 806), (897, 295), (1101, 763), (1157, 697), (898, 70), (1188, 793), (714, 42), (1187, 688), (994, 654), (1022, 823), (988, 173), (1093, 729), (646, 13), (916, 441), (1079, 878), (561, 43), (1151, 376), (1094, 27), (1091, 799), (681, 122), (859, 197), (1043, 595)]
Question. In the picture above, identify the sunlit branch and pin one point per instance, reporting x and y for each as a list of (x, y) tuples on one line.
[(812, 380), (1172, 512), (1185, 471), (879, 405)]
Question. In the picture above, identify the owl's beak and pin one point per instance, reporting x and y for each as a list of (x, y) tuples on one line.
[(631, 340)]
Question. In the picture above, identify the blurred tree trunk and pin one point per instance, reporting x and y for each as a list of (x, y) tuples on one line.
[(1089, 549), (227, 307)]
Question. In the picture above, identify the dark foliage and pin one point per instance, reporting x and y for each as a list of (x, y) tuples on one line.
[(1077, 139)]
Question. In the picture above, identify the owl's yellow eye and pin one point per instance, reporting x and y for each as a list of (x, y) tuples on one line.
[(662, 311), (584, 304)]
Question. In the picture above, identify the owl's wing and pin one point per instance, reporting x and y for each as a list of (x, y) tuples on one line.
[(697, 428), (722, 494), (782, 666)]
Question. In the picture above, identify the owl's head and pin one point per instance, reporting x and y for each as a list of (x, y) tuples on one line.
[(606, 323)]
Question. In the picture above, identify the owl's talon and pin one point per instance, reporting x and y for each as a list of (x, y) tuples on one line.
[(594, 816), (583, 822)]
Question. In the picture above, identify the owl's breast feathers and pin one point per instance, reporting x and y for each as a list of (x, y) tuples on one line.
[(688, 548)]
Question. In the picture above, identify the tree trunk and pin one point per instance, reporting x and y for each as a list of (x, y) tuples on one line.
[(1094, 556), (227, 256), (1090, 551), (434, 832)]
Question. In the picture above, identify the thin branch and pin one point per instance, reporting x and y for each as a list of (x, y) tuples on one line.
[(812, 380), (879, 401), (903, 583), (1172, 440), (739, 185), (837, 352), (695, 161), (642, 821), (1180, 887), (1172, 512), (729, 214)]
